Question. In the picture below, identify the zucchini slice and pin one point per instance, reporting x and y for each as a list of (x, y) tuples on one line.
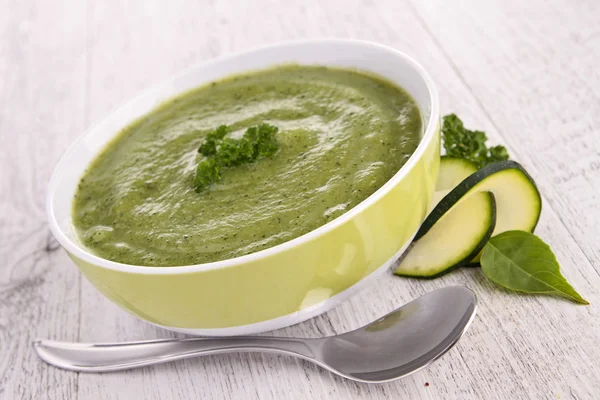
[(497, 198), (518, 200), (453, 241), (452, 172)]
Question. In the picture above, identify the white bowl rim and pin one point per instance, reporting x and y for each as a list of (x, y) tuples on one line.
[(81, 253)]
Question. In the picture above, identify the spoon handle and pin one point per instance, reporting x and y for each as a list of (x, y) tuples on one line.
[(105, 357)]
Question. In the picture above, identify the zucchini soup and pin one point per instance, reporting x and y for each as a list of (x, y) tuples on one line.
[(243, 164)]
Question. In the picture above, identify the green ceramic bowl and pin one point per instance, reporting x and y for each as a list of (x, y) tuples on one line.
[(288, 283)]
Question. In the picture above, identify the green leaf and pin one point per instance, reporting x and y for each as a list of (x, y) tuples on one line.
[(521, 261), (471, 145), (267, 144), (248, 151), (207, 173), (497, 153), (209, 146), (223, 152), (228, 153)]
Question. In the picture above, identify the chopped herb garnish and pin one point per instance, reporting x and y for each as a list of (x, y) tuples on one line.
[(228, 153), (266, 144), (209, 147), (221, 152), (463, 143), (207, 172)]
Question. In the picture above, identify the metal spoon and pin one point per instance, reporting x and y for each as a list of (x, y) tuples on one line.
[(400, 343)]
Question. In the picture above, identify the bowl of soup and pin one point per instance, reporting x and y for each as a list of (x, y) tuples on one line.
[(271, 241)]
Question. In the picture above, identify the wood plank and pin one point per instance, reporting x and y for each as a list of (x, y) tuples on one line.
[(42, 64)]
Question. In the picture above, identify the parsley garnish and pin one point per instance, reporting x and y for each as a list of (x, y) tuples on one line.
[(463, 143), (221, 152), (209, 147)]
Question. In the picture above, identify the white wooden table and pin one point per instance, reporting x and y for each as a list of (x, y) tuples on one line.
[(527, 72)]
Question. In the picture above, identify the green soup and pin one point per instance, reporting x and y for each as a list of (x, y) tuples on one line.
[(342, 135)]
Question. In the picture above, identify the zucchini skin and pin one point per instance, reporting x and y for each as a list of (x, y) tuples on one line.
[(465, 261), (465, 186)]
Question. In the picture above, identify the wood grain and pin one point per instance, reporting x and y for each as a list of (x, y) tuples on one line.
[(526, 72)]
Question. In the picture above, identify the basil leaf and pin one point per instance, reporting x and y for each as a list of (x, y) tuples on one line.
[(521, 261)]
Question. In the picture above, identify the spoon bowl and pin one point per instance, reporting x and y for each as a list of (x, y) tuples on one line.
[(402, 342)]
